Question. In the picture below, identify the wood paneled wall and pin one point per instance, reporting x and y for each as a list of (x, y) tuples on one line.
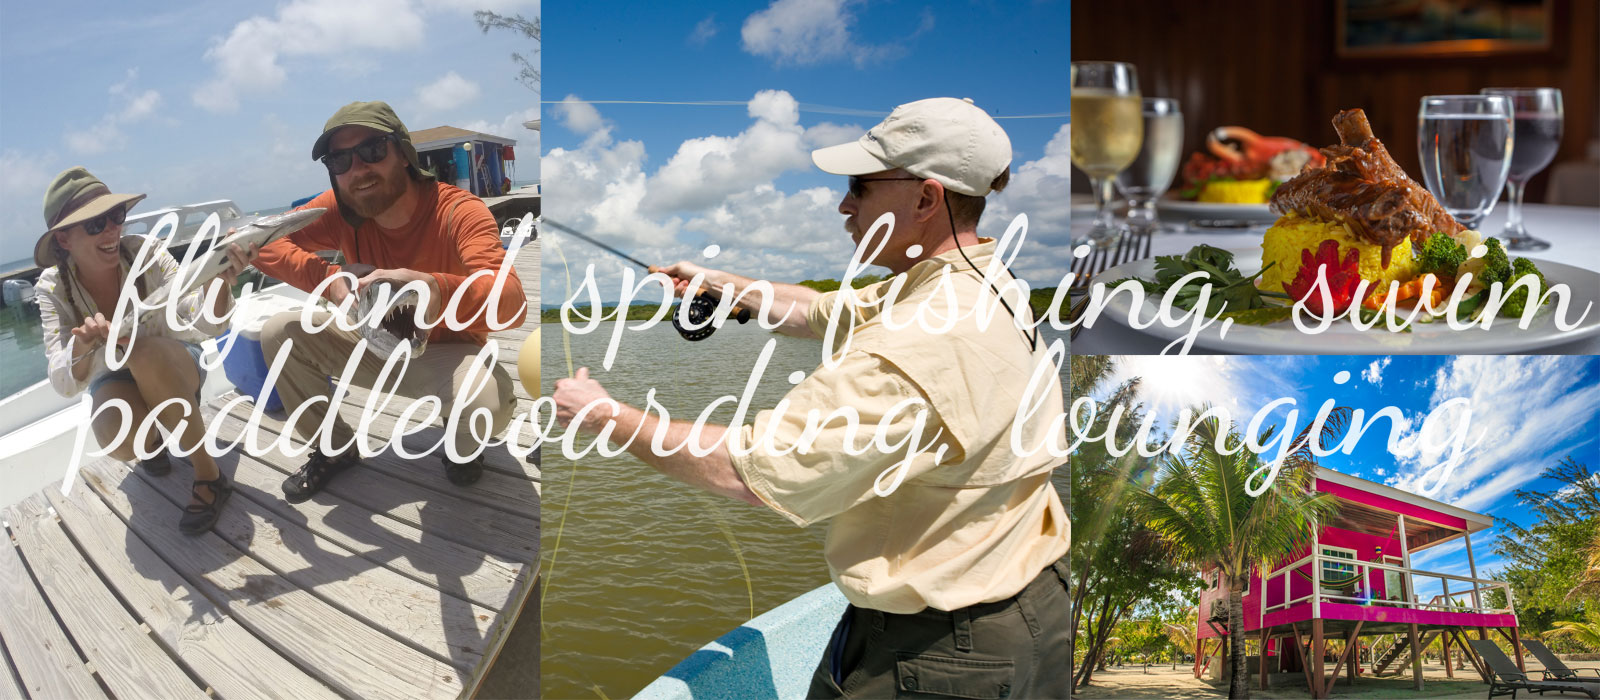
[(1268, 65)]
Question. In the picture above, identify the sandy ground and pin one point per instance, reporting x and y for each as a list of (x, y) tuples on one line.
[(1162, 682)]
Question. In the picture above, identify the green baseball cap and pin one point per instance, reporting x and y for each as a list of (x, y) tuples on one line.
[(373, 115), (75, 196)]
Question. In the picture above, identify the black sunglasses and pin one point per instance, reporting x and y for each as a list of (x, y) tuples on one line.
[(858, 184), (371, 150), (94, 226)]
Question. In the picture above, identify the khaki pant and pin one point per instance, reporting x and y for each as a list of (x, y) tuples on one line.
[(1014, 648), (440, 371)]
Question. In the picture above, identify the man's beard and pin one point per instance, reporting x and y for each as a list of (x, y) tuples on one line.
[(369, 203)]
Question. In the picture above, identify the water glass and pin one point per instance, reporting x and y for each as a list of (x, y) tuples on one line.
[(1150, 174), (1465, 144), (1107, 130), (1536, 126)]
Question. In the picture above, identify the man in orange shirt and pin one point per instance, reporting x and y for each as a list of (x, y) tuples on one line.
[(395, 216)]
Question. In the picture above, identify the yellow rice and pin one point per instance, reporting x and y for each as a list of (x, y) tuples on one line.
[(1236, 191), (1292, 234)]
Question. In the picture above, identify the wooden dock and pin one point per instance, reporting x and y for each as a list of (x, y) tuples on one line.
[(390, 583)]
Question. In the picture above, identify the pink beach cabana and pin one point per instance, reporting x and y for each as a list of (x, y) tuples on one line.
[(1356, 582)]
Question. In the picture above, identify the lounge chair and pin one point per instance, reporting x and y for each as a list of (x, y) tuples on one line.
[(1555, 666), (1507, 679)]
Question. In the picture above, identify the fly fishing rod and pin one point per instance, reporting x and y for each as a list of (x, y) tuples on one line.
[(702, 308)]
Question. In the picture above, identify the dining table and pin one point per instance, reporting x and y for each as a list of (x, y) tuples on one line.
[(1573, 234)]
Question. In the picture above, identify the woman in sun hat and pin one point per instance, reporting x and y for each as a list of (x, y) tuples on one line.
[(86, 262)]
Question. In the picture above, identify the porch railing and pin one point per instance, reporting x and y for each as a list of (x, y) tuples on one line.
[(1472, 598)]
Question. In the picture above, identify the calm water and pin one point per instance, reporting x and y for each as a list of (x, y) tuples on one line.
[(22, 362), (644, 575)]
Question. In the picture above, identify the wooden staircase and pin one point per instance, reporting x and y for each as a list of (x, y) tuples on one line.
[(1401, 652)]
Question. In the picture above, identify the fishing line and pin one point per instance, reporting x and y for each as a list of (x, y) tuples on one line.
[(727, 532), (717, 509), (803, 107)]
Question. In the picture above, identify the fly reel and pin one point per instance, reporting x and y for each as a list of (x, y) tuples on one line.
[(702, 309)]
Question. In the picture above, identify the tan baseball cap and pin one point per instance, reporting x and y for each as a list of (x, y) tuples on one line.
[(943, 138)]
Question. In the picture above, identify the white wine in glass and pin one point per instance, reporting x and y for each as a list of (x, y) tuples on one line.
[(1107, 131)]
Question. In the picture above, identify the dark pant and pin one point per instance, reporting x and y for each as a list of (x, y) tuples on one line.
[(1013, 648)]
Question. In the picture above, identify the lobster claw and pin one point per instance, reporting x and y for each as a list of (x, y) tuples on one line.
[(1217, 141)]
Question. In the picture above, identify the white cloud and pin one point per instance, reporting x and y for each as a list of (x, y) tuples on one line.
[(448, 92), (1039, 189), (703, 31), (23, 179), (129, 106), (1373, 374), (803, 32), (709, 169), (250, 59), (1521, 409), (578, 116)]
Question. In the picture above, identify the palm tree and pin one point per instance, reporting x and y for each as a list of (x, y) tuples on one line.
[(1585, 633), (1200, 507)]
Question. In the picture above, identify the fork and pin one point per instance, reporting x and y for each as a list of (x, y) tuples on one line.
[(1132, 245)]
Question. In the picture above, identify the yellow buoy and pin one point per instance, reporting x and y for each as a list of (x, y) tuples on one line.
[(528, 363)]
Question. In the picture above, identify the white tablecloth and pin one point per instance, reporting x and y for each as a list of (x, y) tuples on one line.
[(1573, 232)]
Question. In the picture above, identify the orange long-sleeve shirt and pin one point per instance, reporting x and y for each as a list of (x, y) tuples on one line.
[(451, 253)]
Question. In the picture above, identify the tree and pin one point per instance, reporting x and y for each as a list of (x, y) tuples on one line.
[(529, 73), (1118, 565), (1552, 565), (1201, 510)]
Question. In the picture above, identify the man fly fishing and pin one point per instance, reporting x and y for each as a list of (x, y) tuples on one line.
[(955, 579)]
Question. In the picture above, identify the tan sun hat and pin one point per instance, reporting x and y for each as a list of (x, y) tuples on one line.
[(74, 197), (942, 138)]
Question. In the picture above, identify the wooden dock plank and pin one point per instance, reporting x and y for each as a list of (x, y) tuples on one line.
[(129, 662), (44, 658), (340, 650), (479, 577), (499, 488), (10, 684), (445, 626), (213, 645), (511, 537)]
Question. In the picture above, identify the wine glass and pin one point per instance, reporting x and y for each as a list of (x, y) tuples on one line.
[(1150, 174), (1465, 142), (1107, 130), (1536, 124)]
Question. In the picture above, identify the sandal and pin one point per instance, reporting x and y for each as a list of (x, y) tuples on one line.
[(199, 517), (463, 473), (159, 465), (316, 473)]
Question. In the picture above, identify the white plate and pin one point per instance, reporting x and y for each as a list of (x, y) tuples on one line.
[(1212, 210), (1343, 338)]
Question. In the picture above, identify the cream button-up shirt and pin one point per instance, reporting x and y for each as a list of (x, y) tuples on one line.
[(974, 525)]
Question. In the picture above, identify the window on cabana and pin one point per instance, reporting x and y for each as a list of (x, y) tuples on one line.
[(1338, 574)]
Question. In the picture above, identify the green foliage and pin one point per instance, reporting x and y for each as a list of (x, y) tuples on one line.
[(580, 314), (528, 73), (1441, 255), (1200, 508), (1230, 289), (1547, 562), (1119, 567)]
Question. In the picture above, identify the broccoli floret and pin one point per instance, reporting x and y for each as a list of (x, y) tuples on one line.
[(1517, 301), (1441, 255), (1496, 264)]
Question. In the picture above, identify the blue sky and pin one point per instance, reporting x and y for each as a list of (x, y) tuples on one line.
[(663, 180), (195, 101), (1530, 411)]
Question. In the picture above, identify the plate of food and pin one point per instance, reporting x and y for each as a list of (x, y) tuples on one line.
[(1237, 174), (1356, 243)]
